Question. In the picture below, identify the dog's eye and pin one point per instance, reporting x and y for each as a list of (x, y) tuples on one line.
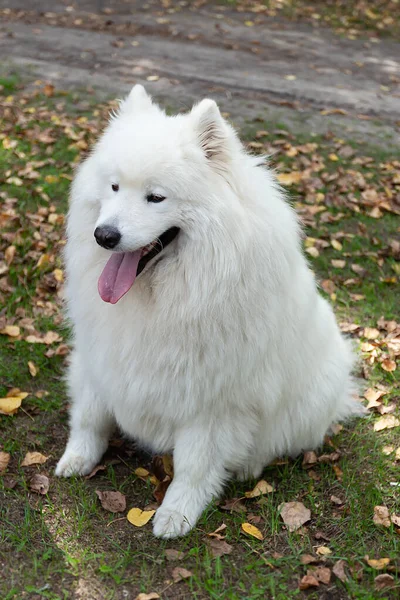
[(115, 187), (155, 198)]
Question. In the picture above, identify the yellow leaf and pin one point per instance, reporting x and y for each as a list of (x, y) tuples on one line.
[(290, 77), (333, 157), (58, 275), (386, 422), (153, 78), (34, 458), (377, 563), (312, 251), (33, 370), (139, 517), (43, 261), (252, 530), (11, 331), (289, 178), (337, 245), (51, 178), (9, 406), (141, 472), (323, 551), (261, 488), (338, 263), (249, 23)]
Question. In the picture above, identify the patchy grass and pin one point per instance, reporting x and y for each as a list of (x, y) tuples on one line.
[(65, 544)]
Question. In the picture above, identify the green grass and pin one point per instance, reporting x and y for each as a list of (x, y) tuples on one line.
[(64, 543)]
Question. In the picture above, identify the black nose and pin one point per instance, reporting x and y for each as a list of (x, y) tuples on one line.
[(107, 236)]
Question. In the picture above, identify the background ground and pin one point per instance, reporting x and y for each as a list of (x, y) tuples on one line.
[(295, 85)]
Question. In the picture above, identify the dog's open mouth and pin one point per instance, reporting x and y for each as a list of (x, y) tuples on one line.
[(122, 268)]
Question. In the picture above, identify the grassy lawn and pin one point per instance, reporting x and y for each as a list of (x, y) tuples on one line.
[(63, 544)]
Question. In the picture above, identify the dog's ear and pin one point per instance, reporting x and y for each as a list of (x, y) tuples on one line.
[(138, 100), (212, 132)]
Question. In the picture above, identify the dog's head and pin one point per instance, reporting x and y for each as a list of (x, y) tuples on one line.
[(152, 176)]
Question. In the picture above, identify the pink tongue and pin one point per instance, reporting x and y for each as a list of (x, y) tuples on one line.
[(118, 276)]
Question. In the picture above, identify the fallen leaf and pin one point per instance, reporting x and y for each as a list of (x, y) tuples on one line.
[(139, 517), (388, 365), (219, 547), (336, 500), (289, 178), (377, 563), (11, 331), (308, 581), (384, 581), (381, 516), (395, 520), (10, 405), (33, 370), (180, 573), (142, 473), (39, 484), (34, 458), (217, 532), (322, 574), (387, 450), (112, 501), (323, 551), (338, 570), (4, 460), (338, 263), (171, 554), (252, 530), (151, 596), (308, 559), (96, 470), (386, 422), (261, 488), (397, 454), (309, 458), (371, 333), (294, 514), (234, 505)]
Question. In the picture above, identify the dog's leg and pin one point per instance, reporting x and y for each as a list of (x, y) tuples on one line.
[(200, 457), (91, 427)]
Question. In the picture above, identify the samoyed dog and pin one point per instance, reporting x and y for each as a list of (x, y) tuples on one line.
[(198, 326)]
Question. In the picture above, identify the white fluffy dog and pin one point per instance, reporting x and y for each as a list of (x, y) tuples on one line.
[(198, 327)]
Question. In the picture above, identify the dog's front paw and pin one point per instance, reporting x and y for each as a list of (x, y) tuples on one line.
[(170, 523), (74, 464)]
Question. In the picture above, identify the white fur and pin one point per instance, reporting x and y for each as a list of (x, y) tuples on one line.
[(223, 352)]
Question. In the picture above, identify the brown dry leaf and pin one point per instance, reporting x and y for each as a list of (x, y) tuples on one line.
[(171, 554), (289, 178), (33, 370), (371, 333), (323, 551), (11, 331), (308, 559), (261, 488), (373, 396), (217, 532), (395, 520), (377, 563), (95, 470), (9, 254), (338, 570), (387, 450), (138, 517), (309, 458), (336, 500), (234, 505), (322, 574), (219, 547), (294, 514), (4, 460), (34, 458), (384, 581), (308, 581), (180, 573), (388, 365), (381, 516), (252, 530), (151, 596), (112, 501), (39, 484), (386, 422)]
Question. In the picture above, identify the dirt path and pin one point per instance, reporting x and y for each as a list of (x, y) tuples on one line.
[(278, 71)]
